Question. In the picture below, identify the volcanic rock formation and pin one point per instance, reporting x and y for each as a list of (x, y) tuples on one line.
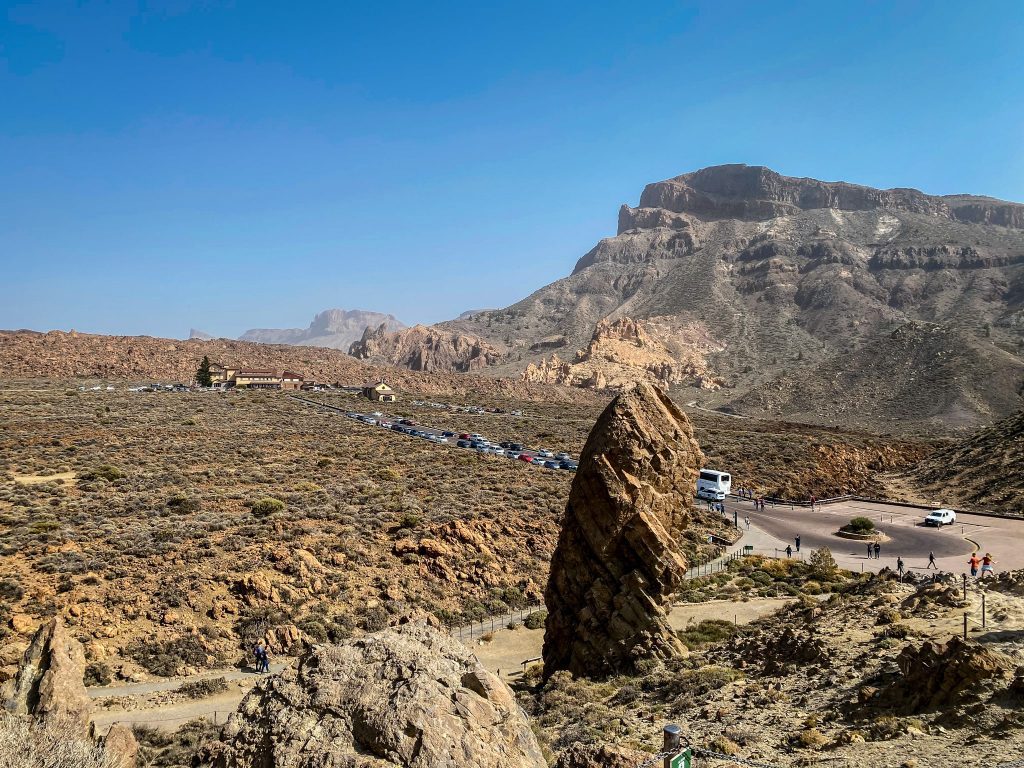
[(49, 680), (625, 351), (425, 349), (406, 696), (618, 559), (49, 686)]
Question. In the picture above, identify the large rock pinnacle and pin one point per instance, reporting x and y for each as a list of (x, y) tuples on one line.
[(618, 557)]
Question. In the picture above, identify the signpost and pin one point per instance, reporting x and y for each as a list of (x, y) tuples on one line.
[(683, 760)]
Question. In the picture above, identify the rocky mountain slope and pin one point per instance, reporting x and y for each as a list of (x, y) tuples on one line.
[(985, 470), (332, 328), (757, 279)]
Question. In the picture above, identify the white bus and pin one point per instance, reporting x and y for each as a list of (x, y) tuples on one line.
[(713, 485)]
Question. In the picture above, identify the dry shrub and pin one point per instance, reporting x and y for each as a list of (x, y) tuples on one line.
[(26, 744)]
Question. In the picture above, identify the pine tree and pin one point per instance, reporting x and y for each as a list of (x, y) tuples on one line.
[(203, 377)]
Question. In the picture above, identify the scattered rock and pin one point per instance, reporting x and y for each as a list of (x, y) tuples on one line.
[(584, 755), (940, 674), (617, 558)]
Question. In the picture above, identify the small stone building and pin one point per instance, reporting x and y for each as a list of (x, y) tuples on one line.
[(379, 393)]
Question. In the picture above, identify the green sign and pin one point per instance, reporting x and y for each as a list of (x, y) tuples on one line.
[(682, 760)]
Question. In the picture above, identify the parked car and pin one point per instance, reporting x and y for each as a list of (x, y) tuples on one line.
[(463, 444), (465, 436), (940, 517), (512, 454), (475, 436), (545, 453), (526, 457), (518, 447), (572, 466), (551, 464), (563, 456), (448, 434)]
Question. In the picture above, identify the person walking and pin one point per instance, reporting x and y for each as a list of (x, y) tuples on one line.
[(878, 551), (870, 550), (986, 565), (265, 661), (258, 653), (899, 566), (931, 561), (789, 550), (974, 562), (747, 521), (797, 540)]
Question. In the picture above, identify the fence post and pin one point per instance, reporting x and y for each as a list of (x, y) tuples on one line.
[(965, 586), (671, 739), (965, 625), (983, 610)]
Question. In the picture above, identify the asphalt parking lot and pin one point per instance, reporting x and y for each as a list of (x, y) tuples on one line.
[(909, 538)]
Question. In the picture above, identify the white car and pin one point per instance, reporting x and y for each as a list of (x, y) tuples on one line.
[(545, 453), (940, 517)]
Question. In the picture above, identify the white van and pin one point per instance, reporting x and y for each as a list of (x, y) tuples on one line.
[(940, 517), (713, 485)]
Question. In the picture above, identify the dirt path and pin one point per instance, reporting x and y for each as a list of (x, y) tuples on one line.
[(505, 654), (157, 704), (38, 479)]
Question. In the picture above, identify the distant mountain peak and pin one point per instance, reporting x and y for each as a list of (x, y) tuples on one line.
[(332, 328)]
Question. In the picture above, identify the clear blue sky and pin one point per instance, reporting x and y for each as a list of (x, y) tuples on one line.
[(230, 165)]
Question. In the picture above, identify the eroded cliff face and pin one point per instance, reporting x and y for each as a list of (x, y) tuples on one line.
[(624, 352), (758, 193), (618, 558), (422, 348)]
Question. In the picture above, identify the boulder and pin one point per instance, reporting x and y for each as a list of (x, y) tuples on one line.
[(405, 696), (618, 558), (940, 674), (49, 680), (120, 747)]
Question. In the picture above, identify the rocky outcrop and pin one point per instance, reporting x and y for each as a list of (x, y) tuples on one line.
[(407, 696), (49, 680), (941, 674), (624, 351), (425, 349), (618, 558), (49, 687), (332, 328)]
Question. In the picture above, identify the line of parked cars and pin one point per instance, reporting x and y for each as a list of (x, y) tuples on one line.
[(472, 441)]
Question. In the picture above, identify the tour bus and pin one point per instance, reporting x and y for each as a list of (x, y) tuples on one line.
[(713, 485)]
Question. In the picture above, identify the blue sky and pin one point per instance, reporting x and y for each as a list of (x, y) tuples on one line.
[(232, 165)]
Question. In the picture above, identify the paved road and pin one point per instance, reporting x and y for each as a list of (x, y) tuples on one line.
[(1003, 537), (447, 438)]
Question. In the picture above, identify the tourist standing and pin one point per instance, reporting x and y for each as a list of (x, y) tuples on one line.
[(986, 565)]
